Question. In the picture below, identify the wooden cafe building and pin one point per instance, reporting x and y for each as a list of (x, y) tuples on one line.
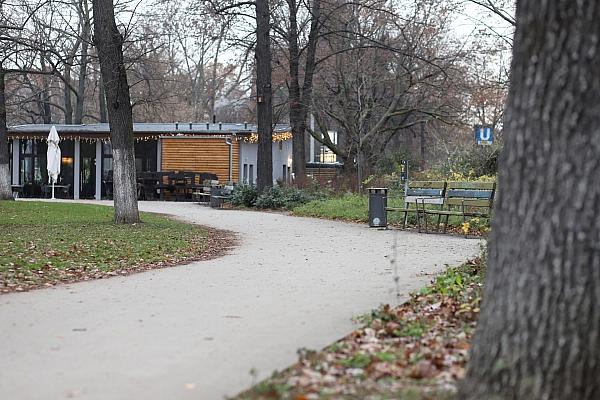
[(227, 150)]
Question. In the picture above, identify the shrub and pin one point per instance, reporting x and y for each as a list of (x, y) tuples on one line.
[(286, 197), (244, 195), (440, 175), (475, 161)]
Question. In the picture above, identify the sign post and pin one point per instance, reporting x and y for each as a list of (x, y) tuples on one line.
[(404, 174)]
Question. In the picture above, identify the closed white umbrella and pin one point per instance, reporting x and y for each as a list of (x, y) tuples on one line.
[(53, 157)]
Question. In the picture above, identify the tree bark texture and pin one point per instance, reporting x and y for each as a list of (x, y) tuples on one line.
[(5, 188), (85, 38), (297, 109), (67, 95), (46, 94), (539, 330), (103, 117), (109, 44), (81, 82), (299, 100), (264, 97)]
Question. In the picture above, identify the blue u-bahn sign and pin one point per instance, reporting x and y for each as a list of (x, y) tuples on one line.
[(484, 135)]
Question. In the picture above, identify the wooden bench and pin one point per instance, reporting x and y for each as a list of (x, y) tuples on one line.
[(463, 199), (422, 192)]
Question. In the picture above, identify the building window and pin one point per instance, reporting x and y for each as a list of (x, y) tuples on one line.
[(106, 179), (284, 173), (67, 149), (251, 174), (327, 155), (245, 174), (145, 156)]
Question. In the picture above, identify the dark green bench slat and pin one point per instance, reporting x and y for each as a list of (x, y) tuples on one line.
[(424, 192), (400, 209), (444, 212), (466, 199), (467, 202), (473, 194), (472, 185)]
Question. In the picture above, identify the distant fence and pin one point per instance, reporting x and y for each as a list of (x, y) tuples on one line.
[(323, 172)]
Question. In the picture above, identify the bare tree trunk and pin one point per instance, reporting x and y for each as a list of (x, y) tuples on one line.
[(5, 188), (85, 38), (102, 101), (81, 82), (46, 94), (539, 330), (68, 81), (109, 43), (67, 95), (299, 101), (212, 96), (295, 101), (264, 97)]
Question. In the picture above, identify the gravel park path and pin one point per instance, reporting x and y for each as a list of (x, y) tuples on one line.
[(196, 331)]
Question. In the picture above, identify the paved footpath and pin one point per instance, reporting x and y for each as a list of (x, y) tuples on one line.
[(196, 331)]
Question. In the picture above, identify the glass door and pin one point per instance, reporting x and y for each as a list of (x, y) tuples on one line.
[(87, 174)]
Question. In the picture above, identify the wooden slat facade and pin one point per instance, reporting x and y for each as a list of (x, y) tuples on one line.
[(200, 155)]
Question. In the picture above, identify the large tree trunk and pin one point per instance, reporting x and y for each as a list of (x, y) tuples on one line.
[(212, 97), (85, 38), (264, 97), (46, 94), (297, 109), (539, 330), (5, 188), (299, 101), (81, 82), (67, 81), (109, 43), (67, 94), (103, 117)]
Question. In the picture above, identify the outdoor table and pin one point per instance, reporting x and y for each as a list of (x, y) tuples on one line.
[(62, 189)]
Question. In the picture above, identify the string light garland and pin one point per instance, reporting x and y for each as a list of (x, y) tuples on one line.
[(80, 138), (252, 138), (277, 137)]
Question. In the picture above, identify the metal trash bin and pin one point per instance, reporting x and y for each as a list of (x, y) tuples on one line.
[(377, 205)]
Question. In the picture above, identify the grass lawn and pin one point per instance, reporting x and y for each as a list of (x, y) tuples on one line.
[(355, 208), (416, 351), (45, 243), (348, 207)]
